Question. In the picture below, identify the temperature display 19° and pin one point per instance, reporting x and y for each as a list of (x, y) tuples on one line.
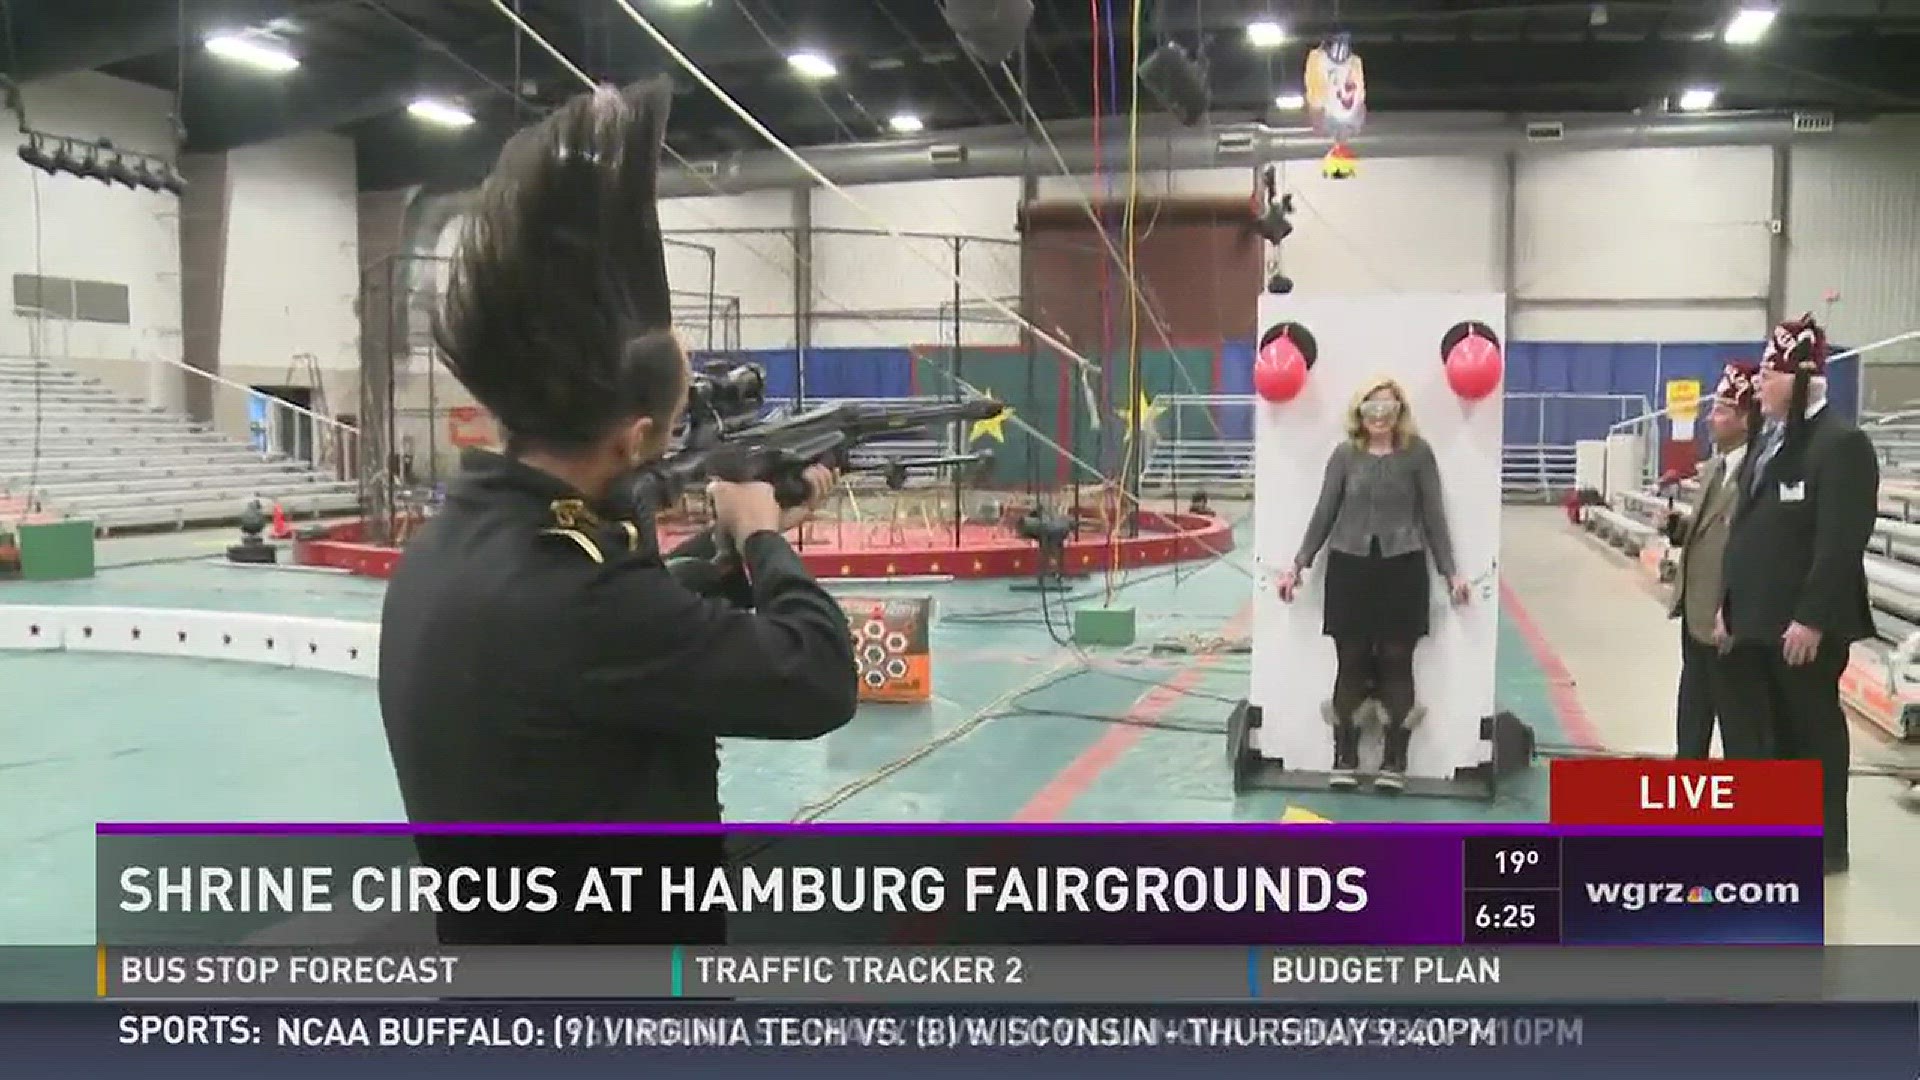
[(1512, 862)]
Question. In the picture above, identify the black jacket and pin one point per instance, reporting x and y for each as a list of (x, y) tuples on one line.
[(539, 664), (1795, 548), (538, 667)]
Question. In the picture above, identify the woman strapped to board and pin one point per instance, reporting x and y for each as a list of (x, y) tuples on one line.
[(1381, 516)]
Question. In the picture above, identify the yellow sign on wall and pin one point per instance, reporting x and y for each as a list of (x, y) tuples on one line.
[(1683, 400)]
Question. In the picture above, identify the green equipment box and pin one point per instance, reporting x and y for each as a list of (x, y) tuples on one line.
[(57, 551)]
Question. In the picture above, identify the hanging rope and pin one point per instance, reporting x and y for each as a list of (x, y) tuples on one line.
[(686, 63), (1105, 337), (1131, 228), (746, 116), (1227, 558)]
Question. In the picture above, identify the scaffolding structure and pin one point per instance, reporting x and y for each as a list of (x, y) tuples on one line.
[(409, 410)]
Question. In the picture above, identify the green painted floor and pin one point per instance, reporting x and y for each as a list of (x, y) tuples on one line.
[(86, 738)]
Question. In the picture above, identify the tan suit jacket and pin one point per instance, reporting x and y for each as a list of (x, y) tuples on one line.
[(1703, 545)]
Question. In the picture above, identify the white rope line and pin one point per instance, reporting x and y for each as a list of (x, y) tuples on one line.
[(1094, 412), (1113, 250), (1227, 558), (794, 156), (1086, 660), (820, 178)]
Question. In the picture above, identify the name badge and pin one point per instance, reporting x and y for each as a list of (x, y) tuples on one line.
[(1795, 492)]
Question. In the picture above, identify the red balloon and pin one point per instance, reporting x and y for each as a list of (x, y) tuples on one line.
[(1280, 371), (1474, 367)]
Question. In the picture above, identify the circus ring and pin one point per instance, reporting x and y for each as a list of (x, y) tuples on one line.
[(867, 551)]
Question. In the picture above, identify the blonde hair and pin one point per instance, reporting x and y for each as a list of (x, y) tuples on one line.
[(1403, 429)]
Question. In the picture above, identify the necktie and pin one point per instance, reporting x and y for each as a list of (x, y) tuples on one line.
[(1771, 438)]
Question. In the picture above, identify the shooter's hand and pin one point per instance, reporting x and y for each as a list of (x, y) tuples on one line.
[(741, 510), (820, 484), (1289, 584)]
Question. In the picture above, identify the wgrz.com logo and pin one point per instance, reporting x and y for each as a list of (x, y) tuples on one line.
[(1640, 895)]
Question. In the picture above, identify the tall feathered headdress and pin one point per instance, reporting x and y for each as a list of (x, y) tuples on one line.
[(561, 268)]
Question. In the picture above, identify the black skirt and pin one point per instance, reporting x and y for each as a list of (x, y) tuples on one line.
[(1376, 598)]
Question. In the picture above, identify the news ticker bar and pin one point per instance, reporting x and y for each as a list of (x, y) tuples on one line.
[(1009, 975), (107, 1040), (1320, 886)]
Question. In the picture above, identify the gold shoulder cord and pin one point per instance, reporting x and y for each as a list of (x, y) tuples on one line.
[(569, 516), (572, 517), (592, 549)]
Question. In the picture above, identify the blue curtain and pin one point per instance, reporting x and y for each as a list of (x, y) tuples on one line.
[(833, 372), (1843, 385), (859, 373), (1552, 368), (1641, 370), (1236, 377)]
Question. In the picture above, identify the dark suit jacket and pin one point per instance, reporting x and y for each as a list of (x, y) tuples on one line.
[(1795, 548)]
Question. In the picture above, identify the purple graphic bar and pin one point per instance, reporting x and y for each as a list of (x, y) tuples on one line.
[(1278, 884), (1456, 829)]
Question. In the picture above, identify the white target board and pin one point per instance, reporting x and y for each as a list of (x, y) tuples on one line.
[(1357, 341)]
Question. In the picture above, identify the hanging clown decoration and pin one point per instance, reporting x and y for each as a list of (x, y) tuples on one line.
[(1336, 100)]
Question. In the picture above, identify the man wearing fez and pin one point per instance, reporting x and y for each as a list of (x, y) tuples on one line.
[(1700, 536), (1796, 590)]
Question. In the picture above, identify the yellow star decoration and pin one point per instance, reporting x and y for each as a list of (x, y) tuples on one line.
[(1149, 414), (994, 427)]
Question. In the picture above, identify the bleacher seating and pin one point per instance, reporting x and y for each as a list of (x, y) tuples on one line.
[(1897, 437), (1189, 463), (1200, 441), (1538, 471), (122, 464)]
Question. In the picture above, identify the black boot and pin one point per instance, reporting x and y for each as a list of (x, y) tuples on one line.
[(1346, 749), (1393, 756)]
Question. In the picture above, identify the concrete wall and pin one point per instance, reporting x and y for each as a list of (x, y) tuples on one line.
[(252, 275)]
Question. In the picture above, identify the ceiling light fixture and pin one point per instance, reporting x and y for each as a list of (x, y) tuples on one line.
[(1290, 102), (809, 65), (38, 156), (1266, 34), (435, 112), (1748, 26), (99, 160), (907, 124), (254, 53), (1698, 99)]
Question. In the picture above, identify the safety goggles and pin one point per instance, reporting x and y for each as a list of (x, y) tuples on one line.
[(1379, 410)]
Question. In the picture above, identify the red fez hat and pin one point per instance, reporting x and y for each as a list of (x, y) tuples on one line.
[(1736, 383), (1797, 347)]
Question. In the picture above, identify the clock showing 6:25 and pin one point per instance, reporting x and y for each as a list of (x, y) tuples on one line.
[(1517, 917)]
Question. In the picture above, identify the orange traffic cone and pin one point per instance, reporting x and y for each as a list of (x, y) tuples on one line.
[(280, 530)]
